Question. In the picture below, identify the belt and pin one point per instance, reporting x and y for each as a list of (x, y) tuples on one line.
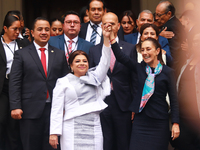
[(7, 76)]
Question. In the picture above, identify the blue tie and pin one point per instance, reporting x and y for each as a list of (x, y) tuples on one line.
[(94, 34)]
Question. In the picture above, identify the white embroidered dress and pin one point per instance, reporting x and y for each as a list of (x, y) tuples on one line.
[(76, 105)]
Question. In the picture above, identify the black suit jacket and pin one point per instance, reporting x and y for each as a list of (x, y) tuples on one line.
[(120, 76), (3, 62), (84, 27), (176, 27), (156, 106), (28, 83)]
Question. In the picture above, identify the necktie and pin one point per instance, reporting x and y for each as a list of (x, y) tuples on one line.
[(94, 34), (43, 61), (69, 48), (112, 63)]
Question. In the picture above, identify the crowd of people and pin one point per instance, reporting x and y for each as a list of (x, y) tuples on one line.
[(93, 81)]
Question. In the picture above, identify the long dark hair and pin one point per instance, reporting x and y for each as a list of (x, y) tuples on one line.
[(157, 45), (8, 21), (143, 27), (74, 54)]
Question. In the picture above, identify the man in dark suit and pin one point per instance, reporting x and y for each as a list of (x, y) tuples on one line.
[(33, 76), (167, 21), (145, 16), (9, 130), (95, 9), (71, 28), (116, 119)]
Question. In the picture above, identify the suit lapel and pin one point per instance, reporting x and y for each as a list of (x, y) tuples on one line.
[(62, 43), (135, 39), (80, 45), (2, 52), (34, 54), (20, 43), (51, 53)]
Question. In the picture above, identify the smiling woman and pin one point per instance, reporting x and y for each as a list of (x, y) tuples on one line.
[(149, 106), (80, 94)]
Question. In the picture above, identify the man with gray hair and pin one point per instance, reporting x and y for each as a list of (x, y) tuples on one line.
[(166, 20), (145, 16)]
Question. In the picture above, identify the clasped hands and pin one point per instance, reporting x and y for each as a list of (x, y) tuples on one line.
[(108, 33)]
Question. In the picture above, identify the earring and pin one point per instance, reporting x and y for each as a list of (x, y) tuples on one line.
[(72, 70)]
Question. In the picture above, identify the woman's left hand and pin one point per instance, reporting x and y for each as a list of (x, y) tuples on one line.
[(175, 131)]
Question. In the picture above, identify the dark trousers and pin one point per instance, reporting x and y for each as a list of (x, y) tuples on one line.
[(35, 132), (9, 128), (116, 126)]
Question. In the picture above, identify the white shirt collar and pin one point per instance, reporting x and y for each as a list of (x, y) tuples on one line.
[(74, 39), (37, 46), (99, 25)]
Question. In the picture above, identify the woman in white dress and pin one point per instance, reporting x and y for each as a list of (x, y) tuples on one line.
[(78, 100)]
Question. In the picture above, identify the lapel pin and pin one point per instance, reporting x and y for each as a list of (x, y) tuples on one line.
[(20, 48), (121, 48), (52, 51)]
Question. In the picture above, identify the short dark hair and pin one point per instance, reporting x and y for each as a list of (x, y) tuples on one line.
[(71, 12), (88, 6), (157, 45), (74, 54), (8, 21), (146, 25), (39, 18)]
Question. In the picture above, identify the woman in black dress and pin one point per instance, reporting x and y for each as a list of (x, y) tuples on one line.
[(150, 129)]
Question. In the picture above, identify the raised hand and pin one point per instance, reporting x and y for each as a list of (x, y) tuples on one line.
[(106, 28)]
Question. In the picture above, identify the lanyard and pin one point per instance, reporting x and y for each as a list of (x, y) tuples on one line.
[(68, 49), (94, 29), (9, 47)]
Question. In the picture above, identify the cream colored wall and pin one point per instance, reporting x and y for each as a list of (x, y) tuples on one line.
[(7, 5)]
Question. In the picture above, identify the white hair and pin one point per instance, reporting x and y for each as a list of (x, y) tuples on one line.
[(145, 11)]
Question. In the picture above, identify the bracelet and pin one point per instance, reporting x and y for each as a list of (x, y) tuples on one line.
[(112, 40)]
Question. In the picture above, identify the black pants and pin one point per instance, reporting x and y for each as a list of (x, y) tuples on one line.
[(9, 128), (35, 132), (116, 126)]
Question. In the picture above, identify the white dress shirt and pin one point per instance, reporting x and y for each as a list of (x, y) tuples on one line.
[(39, 52), (9, 49), (89, 33), (74, 43)]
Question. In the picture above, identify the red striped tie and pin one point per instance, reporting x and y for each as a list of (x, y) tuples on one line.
[(69, 48)]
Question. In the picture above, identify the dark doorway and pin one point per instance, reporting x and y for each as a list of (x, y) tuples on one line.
[(56, 8)]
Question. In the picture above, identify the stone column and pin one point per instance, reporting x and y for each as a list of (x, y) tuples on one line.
[(7, 5)]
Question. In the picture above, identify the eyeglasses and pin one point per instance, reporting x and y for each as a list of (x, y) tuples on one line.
[(69, 22), (159, 15)]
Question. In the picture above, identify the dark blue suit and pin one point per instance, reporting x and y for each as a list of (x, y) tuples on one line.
[(28, 91), (58, 42), (132, 38), (115, 119), (152, 124)]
